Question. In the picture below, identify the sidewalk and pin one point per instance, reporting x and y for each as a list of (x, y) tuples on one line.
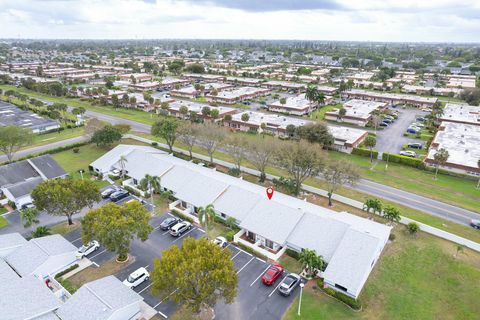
[(356, 204)]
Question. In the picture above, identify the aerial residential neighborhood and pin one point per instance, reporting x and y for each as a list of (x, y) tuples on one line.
[(232, 160)]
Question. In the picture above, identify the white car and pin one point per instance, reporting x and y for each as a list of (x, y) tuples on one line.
[(88, 248), (180, 228), (115, 173), (136, 278), (220, 241), (408, 153)]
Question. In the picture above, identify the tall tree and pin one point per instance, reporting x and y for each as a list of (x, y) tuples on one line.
[(188, 135), (339, 173), (198, 285), (312, 93), (13, 138), (261, 152), (236, 147), (65, 197), (116, 226), (206, 216), (166, 129), (370, 142), (440, 158), (122, 160), (106, 136), (210, 137), (392, 214), (310, 261), (302, 160), (316, 132), (93, 125)]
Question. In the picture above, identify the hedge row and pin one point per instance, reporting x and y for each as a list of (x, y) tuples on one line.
[(364, 152), (252, 251), (64, 272), (182, 216), (354, 304), (408, 161), (293, 254)]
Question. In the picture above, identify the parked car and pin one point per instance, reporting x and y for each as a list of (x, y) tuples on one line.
[(412, 130), (387, 121), (220, 241), (288, 284), (28, 205), (421, 119), (168, 223), (383, 124), (475, 223), (416, 145), (272, 274), (136, 278), (115, 173), (109, 191), (119, 195), (416, 124), (88, 248), (408, 153), (389, 117), (180, 228)]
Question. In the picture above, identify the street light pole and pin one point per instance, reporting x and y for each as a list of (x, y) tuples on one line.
[(300, 300)]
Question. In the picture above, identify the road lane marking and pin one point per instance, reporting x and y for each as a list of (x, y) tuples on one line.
[(246, 264), (278, 285), (259, 276)]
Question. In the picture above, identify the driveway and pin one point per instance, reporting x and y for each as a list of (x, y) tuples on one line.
[(391, 138)]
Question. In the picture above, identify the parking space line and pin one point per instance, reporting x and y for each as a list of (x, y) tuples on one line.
[(226, 246), (76, 240), (261, 260), (165, 298), (278, 285), (98, 254), (145, 288), (165, 232), (246, 264), (259, 276), (244, 251), (235, 255), (162, 314), (96, 264), (184, 235)]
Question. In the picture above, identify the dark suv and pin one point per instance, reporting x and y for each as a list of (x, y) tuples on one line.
[(119, 195), (168, 223)]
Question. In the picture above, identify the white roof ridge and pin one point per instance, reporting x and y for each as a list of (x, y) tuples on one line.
[(97, 296)]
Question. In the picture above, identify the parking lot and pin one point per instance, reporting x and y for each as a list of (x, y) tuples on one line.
[(254, 300), (391, 138)]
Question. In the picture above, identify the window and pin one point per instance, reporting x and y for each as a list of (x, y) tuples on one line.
[(223, 215), (269, 244), (340, 287)]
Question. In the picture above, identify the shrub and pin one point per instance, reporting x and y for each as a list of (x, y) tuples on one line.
[(132, 191), (155, 144), (61, 273), (234, 172), (12, 204), (408, 161), (364, 152), (181, 215), (251, 251), (76, 150), (392, 237), (353, 303), (293, 254), (230, 234), (413, 228), (286, 184)]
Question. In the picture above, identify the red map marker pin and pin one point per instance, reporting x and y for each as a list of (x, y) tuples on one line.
[(270, 193)]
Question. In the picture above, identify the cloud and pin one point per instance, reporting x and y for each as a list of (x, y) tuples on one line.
[(272, 5)]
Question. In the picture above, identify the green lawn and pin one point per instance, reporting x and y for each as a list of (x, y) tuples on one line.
[(43, 139), (320, 113), (3, 210), (3, 222), (63, 228), (290, 264), (415, 279)]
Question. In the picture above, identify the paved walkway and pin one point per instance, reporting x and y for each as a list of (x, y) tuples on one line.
[(354, 203)]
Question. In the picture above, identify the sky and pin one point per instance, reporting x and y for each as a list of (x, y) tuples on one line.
[(343, 20)]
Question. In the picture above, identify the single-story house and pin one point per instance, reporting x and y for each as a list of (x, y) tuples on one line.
[(18, 179), (349, 244)]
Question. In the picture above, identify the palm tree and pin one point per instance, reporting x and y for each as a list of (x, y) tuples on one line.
[(206, 216), (29, 216), (312, 93), (440, 157), (122, 161), (150, 184), (41, 232), (320, 98), (311, 261)]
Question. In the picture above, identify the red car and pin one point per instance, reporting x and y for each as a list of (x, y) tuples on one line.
[(272, 274)]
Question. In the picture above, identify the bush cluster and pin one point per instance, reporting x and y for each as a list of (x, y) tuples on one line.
[(364, 152), (251, 251), (353, 303), (182, 216), (293, 254), (64, 272), (408, 161)]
